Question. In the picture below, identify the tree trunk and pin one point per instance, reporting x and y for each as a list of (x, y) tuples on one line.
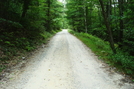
[(121, 25), (99, 16), (108, 27), (48, 15), (25, 7), (85, 14), (115, 14)]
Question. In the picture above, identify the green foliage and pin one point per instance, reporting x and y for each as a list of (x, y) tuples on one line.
[(75, 15), (26, 21), (23, 25), (87, 15), (44, 36), (8, 24), (122, 60)]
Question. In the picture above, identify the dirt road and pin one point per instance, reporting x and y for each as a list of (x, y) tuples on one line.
[(66, 63)]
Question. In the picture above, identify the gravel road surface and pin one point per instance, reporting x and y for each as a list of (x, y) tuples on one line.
[(65, 63)]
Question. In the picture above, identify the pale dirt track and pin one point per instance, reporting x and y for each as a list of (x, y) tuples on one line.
[(66, 63)]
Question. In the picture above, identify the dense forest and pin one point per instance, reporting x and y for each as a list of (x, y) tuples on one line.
[(110, 20), (107, 19), (24, 24)]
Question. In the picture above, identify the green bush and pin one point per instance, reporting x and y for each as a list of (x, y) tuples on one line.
[(123, 61)]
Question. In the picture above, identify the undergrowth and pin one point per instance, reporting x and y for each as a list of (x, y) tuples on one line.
[(121, 60), (14, 48)]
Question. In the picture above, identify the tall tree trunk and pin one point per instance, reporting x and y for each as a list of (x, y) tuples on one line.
[(25, 7), (91, 10), (48, 15), (99, 16), (108, 27), (121, 25), (85, 14), (87, 19), (115, 14), (109, 11)]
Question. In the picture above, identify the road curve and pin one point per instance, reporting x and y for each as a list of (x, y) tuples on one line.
[(66, 63)]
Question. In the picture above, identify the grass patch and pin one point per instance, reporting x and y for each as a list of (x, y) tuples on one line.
[(98, 46), (121, 60)]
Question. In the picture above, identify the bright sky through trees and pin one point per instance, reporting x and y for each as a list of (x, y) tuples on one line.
[(61, 1)]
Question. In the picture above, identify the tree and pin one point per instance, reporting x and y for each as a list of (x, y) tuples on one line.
[(120, 2), (107, 23)]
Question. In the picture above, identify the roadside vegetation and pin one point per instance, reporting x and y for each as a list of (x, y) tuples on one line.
[(10, 55), (24, 25), (121, 60)]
